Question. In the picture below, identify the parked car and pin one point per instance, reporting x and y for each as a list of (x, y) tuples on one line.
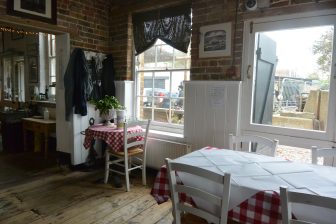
[(161, 97)]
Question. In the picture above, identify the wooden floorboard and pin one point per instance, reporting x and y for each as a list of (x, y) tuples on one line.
[(77, 197), (80, 198)]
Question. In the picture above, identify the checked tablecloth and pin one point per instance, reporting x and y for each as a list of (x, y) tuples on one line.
[(255, 181), (111, 135), (261, 208)]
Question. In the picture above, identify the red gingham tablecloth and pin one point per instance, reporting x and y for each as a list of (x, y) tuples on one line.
[(112, 136), (261, 208)]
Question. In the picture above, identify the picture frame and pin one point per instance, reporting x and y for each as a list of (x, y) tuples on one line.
[(42, 10), (215, 40), (33, 69)]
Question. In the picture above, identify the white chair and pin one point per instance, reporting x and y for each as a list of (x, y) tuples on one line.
[(264, 145), (326, 153), (288, 197), (132, 149), (221, 201)]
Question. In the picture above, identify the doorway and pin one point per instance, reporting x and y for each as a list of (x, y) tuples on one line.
[(289, 89), (30, 68)]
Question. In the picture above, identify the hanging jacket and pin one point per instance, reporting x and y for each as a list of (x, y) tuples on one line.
[(77, 84), (96, 89), (107, 79)]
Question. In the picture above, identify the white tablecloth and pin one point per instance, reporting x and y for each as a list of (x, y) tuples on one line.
[(252, 173)]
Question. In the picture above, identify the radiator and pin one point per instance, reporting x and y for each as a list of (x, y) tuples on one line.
[(158, 150)]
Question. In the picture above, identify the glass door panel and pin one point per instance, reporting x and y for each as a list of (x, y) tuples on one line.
[(290, 90), (292, 79)]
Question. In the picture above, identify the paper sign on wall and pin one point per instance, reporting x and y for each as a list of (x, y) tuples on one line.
[(217, 97)]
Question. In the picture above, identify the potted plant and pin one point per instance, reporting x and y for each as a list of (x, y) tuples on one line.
[(106, 107)]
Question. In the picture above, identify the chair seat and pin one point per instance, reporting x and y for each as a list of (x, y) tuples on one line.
[(131, 152)]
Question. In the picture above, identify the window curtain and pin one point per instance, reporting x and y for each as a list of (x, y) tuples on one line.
[(171, 25)]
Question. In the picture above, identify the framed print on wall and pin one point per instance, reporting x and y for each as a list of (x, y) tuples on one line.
[(215, 40), (43, 10)]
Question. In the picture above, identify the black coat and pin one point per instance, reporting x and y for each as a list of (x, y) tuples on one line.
[(107, 79), (77, 84)]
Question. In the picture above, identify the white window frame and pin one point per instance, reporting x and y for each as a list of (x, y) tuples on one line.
[(51, 57), (161, 127), (301, 138)]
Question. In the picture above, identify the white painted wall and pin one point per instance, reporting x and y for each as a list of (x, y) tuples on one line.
[(69, 138), (211, 112), (63, 128)]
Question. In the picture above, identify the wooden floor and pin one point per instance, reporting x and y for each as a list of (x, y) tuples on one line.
[(37, 191), (80, 197)]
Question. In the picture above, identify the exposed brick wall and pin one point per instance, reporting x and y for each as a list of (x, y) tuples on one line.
[(209, 13), (121, 31), (216, 11), (87, 22), (121, 44), (106, 26), (205, 12)]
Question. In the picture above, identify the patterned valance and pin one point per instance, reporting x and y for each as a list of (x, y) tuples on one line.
[(171, 25)]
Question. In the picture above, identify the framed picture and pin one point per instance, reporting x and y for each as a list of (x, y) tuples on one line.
[(43, 10), (215, 40), (33, 69)]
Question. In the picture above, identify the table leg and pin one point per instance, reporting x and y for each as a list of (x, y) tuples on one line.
[(46, 135), (37, 142), (25, 140)]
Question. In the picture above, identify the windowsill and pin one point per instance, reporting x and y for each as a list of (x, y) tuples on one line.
[(168, 136)]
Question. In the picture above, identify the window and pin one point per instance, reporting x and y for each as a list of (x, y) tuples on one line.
[(52, 62), (160, 73)]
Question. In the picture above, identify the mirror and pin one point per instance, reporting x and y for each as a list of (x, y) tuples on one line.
[(13, 76), (27, 64)]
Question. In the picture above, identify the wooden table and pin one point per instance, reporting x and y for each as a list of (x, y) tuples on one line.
[(38, 126)]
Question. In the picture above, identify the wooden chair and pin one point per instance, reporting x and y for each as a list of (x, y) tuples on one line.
[(288, 197), (264, 145), (221, 201), (326, 153), (132, 149)]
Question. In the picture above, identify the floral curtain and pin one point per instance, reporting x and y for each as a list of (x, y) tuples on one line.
[(171, 25)]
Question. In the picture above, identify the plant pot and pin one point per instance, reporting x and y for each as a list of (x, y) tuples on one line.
[(107, 117)]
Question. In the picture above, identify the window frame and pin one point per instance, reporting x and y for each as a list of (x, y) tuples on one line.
[(51, 49), (156, 125), (289, 135)]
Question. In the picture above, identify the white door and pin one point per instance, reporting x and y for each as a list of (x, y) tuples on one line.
[(289, 78)]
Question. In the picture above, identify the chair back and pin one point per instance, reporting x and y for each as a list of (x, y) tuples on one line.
[(328, 154), (138, 138), (261, 144), (288, 197), (222, 201)]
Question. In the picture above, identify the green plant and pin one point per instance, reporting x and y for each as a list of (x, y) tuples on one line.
[(106, 103)]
